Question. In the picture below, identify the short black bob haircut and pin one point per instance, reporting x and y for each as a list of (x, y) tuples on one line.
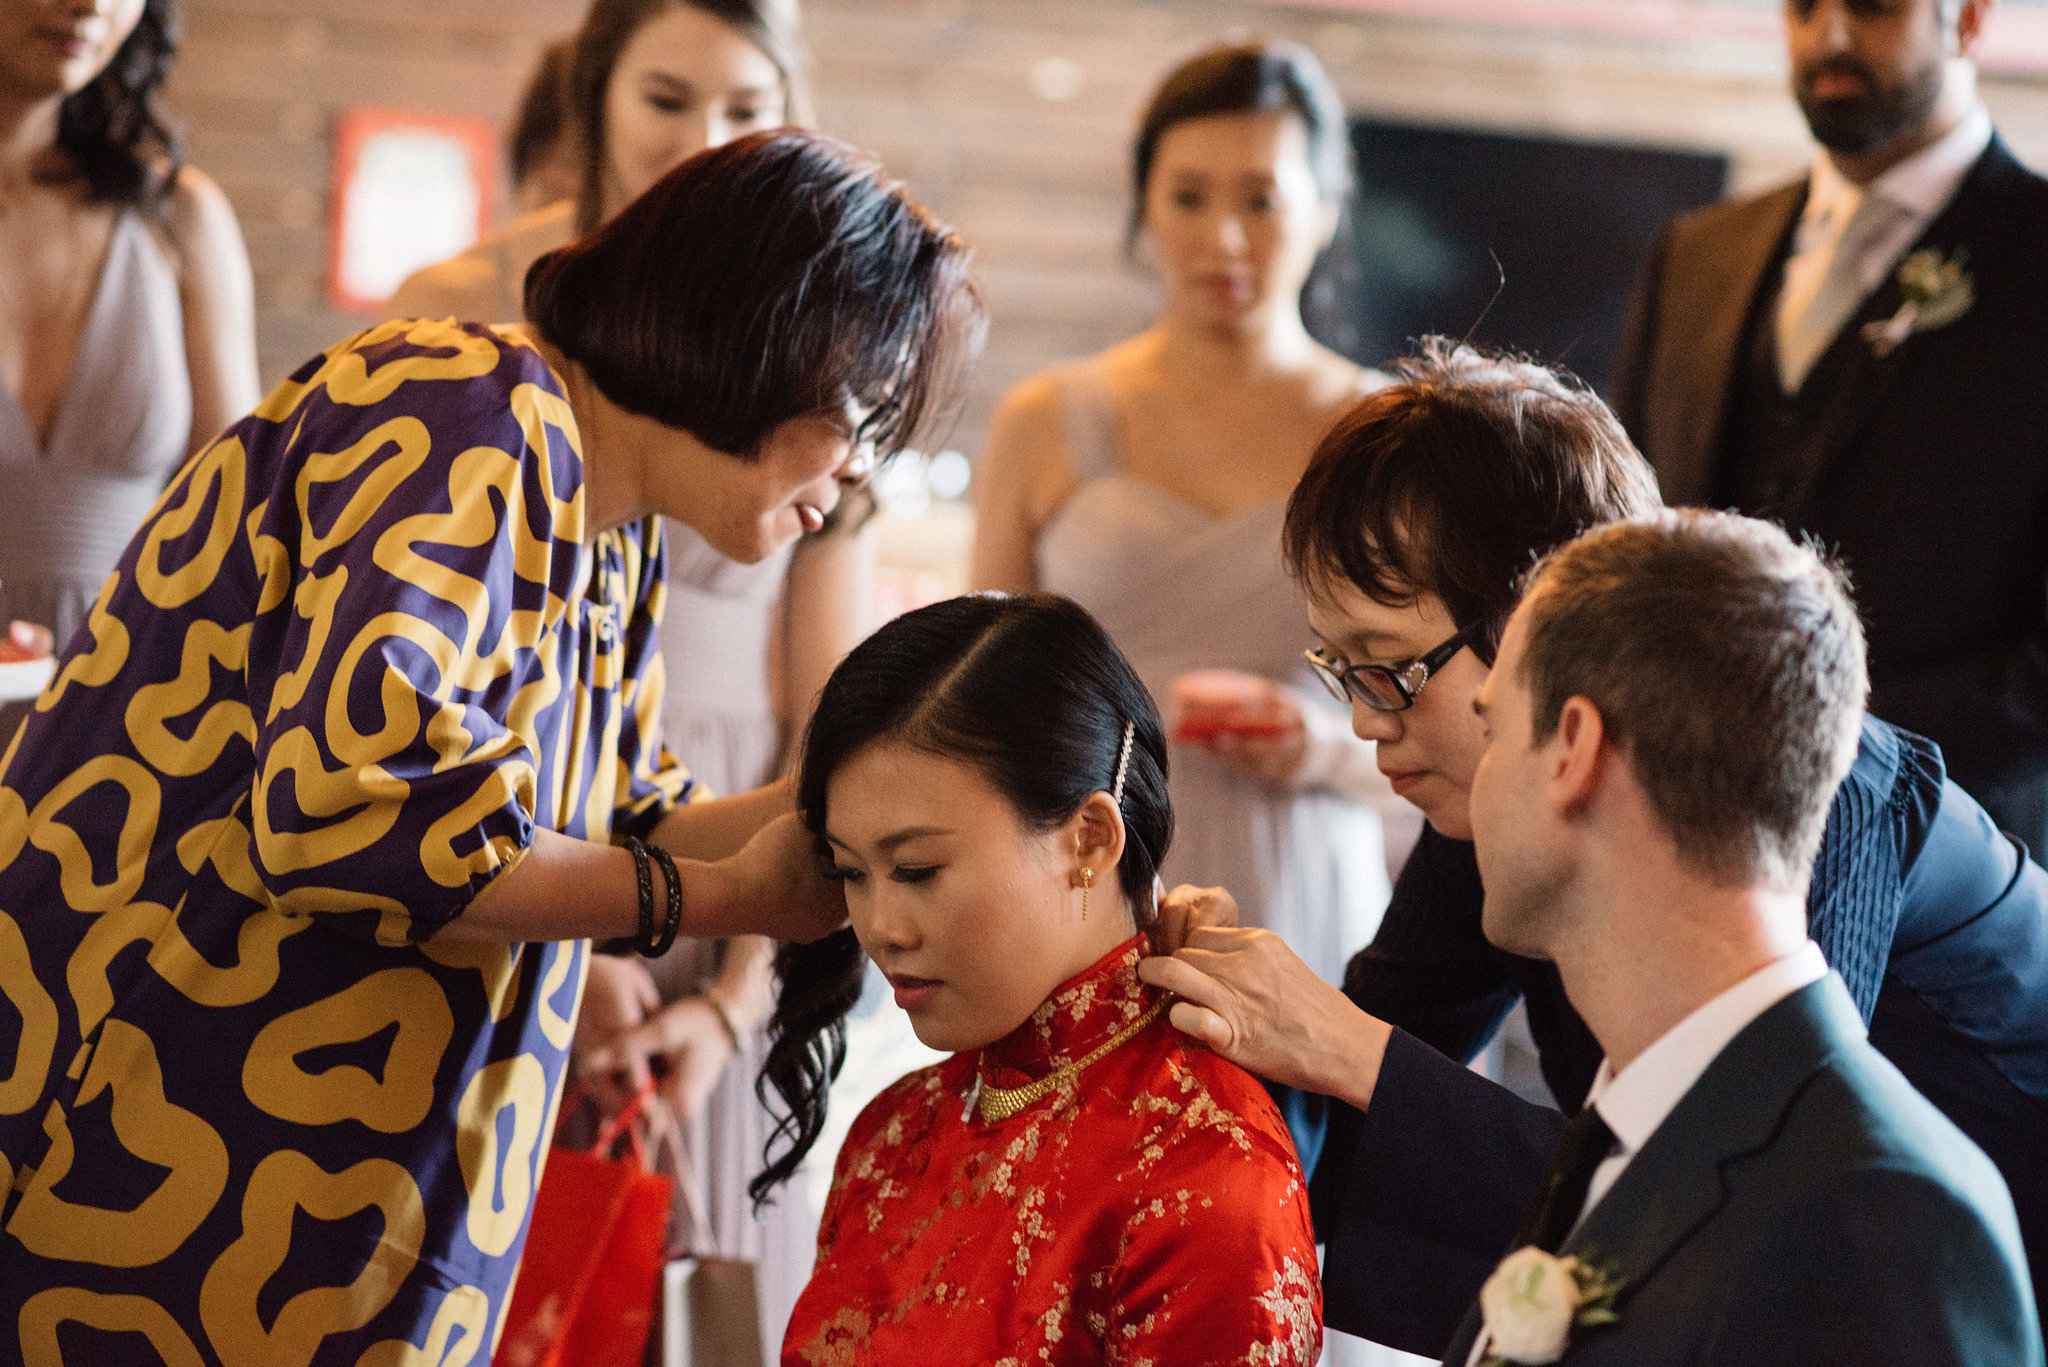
[(776, 277)]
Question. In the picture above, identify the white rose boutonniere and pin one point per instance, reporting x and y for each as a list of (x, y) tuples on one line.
[(1535, 1300), (1937, 290)]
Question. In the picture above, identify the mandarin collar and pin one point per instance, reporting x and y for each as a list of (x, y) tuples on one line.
[(1085, 1011)]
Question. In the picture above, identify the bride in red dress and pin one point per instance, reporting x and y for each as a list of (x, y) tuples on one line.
[(1078, 1183)]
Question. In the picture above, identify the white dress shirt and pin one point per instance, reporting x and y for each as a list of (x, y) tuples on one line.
[(1869, 228), (1638, 1099)]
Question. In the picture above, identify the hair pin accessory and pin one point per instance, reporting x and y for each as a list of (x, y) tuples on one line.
[(1123, 763)]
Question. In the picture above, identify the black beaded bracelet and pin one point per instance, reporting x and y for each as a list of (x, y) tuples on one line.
[(672, 917), (643, 874)]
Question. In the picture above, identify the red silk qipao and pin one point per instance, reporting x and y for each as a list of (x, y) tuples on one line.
[(1148, 1211)]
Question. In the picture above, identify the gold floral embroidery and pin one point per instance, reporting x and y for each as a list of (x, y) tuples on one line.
[(1031, 1226), (1045, 1231), (1291, 1302)]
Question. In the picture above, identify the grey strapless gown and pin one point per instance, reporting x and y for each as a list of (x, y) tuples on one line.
[(1180, 589), (120, 431)]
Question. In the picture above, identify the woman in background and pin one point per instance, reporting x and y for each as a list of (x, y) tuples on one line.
[(302, 851), (1149, 483), (542, 147), (1075, 1185), (653, 82), (127, 325)]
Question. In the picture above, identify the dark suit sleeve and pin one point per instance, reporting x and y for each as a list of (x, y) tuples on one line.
[(1418, 1197), (1629, 390), (1960, 866), (1890, 1265), (1989, 706), (1428, 971)]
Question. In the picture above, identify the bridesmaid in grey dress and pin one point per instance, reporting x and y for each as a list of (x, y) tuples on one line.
[(653, 82), (126, 319), (1149, 482)]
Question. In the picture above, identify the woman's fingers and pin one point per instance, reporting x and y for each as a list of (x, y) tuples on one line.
[(1208, 1010), (1176, 975), (1188, 909), (785, 885)]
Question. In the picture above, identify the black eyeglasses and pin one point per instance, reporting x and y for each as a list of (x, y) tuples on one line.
[(1385, 688)]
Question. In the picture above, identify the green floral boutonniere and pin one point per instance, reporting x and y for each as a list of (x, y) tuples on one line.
[(1937, 290)]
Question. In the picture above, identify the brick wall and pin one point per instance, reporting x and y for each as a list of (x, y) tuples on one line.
[(1010, 116)]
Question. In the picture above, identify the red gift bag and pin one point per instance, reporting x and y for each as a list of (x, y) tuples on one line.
[(586, 1291)]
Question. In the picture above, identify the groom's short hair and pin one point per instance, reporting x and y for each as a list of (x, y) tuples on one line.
[(1452, 479), (1727, 663)]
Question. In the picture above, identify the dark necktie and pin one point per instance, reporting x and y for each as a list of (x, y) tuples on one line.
[(1587, 1142)]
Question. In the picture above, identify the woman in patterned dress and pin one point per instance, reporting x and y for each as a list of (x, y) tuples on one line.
[(298, 849), (1076, 1184), (648, 84)]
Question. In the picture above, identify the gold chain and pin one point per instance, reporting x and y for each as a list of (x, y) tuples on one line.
[(1000, 1103)]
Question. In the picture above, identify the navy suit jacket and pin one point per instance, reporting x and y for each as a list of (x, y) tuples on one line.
[(1937, 923), (1802, 1205)]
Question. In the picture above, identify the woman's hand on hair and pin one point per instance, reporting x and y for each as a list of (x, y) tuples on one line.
[(1188, 909), (1249, 997), (777, 887)]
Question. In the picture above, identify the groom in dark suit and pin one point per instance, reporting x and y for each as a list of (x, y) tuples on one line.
[(1861, 355), (1410, 532), (1749, 1181)]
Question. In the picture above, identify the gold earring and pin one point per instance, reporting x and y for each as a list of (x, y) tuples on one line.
[(1087, 882)]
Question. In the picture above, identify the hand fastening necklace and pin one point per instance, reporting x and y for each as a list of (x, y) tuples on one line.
[(1000, 1103)]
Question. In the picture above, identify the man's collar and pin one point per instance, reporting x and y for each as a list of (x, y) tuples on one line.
[(1638, 1099)]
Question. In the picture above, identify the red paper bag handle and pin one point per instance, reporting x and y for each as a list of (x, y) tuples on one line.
[(618, 1126)]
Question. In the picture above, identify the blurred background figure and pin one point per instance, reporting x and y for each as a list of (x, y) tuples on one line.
[(650, 84), (1856, 354), (126, 313), (541, 148), (1148, 483)]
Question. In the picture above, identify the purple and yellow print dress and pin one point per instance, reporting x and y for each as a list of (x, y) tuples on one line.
[(252, 1109)]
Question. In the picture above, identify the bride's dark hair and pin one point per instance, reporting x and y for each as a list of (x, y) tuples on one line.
[(1031, 692)]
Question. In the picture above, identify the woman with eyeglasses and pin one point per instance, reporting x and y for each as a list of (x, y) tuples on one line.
[(649, 84), (1148, 483), (303, 852)]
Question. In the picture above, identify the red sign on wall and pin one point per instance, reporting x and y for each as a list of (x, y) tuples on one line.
[(409, 190)]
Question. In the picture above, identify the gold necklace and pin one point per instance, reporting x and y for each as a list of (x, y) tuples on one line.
[(1000, 1103)]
